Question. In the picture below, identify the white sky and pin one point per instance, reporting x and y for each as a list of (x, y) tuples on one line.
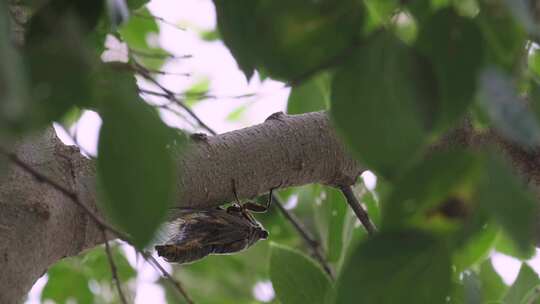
[(211, 60)]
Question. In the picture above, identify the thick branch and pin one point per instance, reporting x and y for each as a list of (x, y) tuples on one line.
[(39, 226)]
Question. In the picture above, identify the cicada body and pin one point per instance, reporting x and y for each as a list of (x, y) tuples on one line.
[(198, 233)]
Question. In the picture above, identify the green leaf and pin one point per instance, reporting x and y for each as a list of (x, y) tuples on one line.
[(526, 280), (118, 12), (310, 96), (505, 244), (135, 168), (136, 4), (379, 12), (194, 94), (96, 265), (444, 177), (401, 267), (508, 113), (135, 33), (493, 288), (211, 35), (524, 12), (504, 38), (13, 82), (58, 59), (237, 113), (380, 101), (534, 62), (329, 217), (454, 46), (467, 290), (477, 248), (67, 281), (297, 278), (506, 198), (284, 38)]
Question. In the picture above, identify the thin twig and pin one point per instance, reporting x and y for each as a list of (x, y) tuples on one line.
[(171, 96), (358, 209), (158, 55), (114, 271), (98, 221), (166, 274), (306, 236), (160, 19)]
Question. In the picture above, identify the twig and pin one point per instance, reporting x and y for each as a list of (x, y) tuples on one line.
[(171, 96), (160, 19), (158, 56), (166, 274), (358, 209), (306, 236), (98, 221), (114, 271)]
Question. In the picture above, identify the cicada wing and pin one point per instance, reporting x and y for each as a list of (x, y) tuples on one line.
[(182, 254)]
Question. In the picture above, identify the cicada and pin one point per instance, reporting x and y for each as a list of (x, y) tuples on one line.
[(201, 232)]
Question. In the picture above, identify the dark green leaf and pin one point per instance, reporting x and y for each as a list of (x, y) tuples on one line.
[(477, 248), (118, 12), (134, 165), (526, 280), (380, 104), (506, 198), (505, 244), (402, 267), (507, 111), (493, 288), (136, 4), (504, 38), (443, 180), (310, 96), (534, 62), (285, 38), (454, 46), (296, 278), (13, 82), (379, 12), (524, 12), (67, 281), (467, 290)]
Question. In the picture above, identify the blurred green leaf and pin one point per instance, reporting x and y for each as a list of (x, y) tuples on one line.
[(13, 82), (329, 216), (194, 94), (238, 113), (67, 281), (524, 12), (118, 12), (406, 267), (505, 244), (211, 35), (444, 177), (477, 248), (454, 46), (135, 168), (380, 101), (534, 62), (96, 265), (310, 96), (285, 38), (467, 290), (297, 278), (136, 33), (504, 38), (493, 288), (136, 4), (506, 198), (507, 111), (526, 280), (379, 12)]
